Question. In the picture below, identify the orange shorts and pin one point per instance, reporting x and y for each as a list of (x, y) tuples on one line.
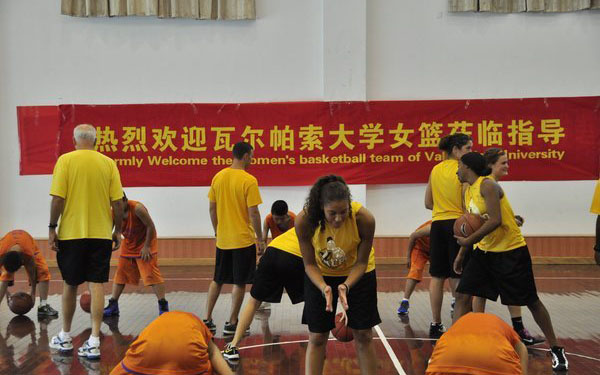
[(130, 270), (418, 260), (43, 274)]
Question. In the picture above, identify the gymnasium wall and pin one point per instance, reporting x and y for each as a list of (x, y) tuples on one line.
[(294, 51)]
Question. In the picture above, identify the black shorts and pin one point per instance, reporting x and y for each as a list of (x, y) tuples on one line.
[(235, 266), (276, 270), (86, 259), (362, 304), (508, 274), (443, 249)]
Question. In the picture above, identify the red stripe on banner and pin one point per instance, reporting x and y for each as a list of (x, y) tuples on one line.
[(379, 142), (38, 138)]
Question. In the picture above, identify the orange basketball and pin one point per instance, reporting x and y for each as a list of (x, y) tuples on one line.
[(85, 301), (465, 225), (341, 332), (20, 303)]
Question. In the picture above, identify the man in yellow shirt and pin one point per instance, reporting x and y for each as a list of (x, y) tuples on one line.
[(234, 200), (85, 186), (595, 209)]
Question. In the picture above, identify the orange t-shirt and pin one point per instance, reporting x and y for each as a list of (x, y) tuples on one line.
[(478, 343), (175, 343), (422, 244), (21, 238), (134, 232), (275, 231)]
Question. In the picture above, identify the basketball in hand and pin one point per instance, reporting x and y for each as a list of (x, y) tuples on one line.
[(20, 303), (342, 332), (467, 224)]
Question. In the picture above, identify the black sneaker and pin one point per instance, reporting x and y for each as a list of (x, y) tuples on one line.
[(229, 329), (436, 330), (210, 325), (527, 338), (231, 353), (46, 310), (559, 359)]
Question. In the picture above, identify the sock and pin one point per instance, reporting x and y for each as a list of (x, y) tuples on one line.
[(43, 302), (404, 299), (94, 341), (64, 335), (517, 323), (162, 301)]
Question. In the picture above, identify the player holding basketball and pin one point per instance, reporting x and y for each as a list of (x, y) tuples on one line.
[(176, 342), (280, 267), (139, 257), (500, 263), (17, 248), (444, 196), (336, 238), (498, 162)]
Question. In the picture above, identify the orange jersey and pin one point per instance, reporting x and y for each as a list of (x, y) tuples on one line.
[(422, 244), (21, 238), (478, 343), (175, 343), (275, 231), (134, 232)]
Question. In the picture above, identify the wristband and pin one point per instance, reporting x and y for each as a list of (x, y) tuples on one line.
[(52, 226)]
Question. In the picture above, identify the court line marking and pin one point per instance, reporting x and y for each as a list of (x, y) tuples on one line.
[(389, 350), (571, 354)]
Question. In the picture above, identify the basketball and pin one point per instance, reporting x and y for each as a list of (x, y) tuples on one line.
[(341, 332), (20, 303), (85, 301), (465, 225)]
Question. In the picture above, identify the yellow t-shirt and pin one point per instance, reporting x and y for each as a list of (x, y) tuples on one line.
[(595, 208), (347, 238), (508, 235), (446, 191), (288, 242), (234, 190), (89, 182)]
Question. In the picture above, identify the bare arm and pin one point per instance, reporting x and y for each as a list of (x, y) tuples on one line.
[(412, 239), (256, 224), (142, 213), (366, 230), (429, 196), (117, 207), (29, 265), (491, 193), (521, 350), (265, 231), (305, 233), (57, 206), (212, 210), (220, 366)]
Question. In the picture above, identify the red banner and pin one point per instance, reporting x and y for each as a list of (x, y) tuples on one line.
[(380, 142)]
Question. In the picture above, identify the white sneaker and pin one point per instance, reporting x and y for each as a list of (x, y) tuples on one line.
[(61, 345), (88, 351)]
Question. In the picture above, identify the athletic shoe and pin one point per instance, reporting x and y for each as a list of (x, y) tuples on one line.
[(528, 339), (88, 351), (559, 359), (452, 308), (46, 310), (229, 329), (112, 309), (231, 353), (436, 330), (210, 325), (61, 345), (163, 307), (403, 309)]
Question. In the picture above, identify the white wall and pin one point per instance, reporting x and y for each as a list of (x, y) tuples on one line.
[(295, 50)]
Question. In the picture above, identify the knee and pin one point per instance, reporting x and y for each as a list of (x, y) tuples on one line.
[(535, 306), (463, 299), (362, 337), (318, 339)]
